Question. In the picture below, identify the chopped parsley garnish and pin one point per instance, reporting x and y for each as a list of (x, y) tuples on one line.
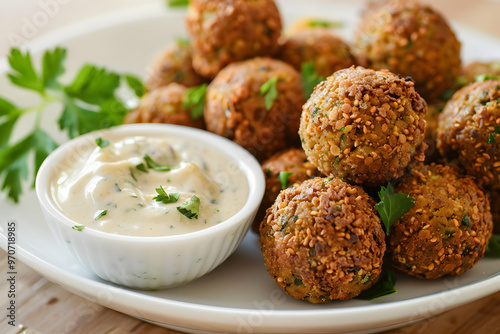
[(392, 206), (310, 78), (283, 176), (177, 3), (85, 104), (78, 227), (164, 197), (466, 221), (315, 111), (318, 23), (384, 287), (190, 208), (155, 166), (100, 214), (268, 172), (298, 282), (132, 174), (493, 247), (270, 92), (102, 142), (484, 77), (142, 168), (135, 85), (342, 128), (491, 136), (194, 100)]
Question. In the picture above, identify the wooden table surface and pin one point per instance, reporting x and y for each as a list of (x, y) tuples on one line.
[(44, 307)]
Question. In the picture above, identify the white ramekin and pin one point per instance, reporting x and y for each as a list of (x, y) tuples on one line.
[(150, 262)]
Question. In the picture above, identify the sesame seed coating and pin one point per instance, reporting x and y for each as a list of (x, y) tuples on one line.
[(173, 65), (225, 31), (322, 240), (292, 160), (411, 39), (164, 105), (448, 228), (363, 126), (468, 131), (235, 109), (328, 52)]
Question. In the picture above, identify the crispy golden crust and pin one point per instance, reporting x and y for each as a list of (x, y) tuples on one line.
[(293, 160), (322, 240), (432, 239), (411, 39), (466, 125), (224, 31), (363, 126), (236, 110), (164, 105), (173, 65), (326, 50)]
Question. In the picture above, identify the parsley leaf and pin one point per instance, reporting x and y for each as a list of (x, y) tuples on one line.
[(319, 23), (190, 208), (177, 3), (283, 176), (384, 287), (88, 103), (392, 206), (310, 79), (155, 166), (99, 214), (270, 92), (466, 221), (484, 77), (102, 142), (135, 84), (194, 100), (24, 73), (78, 227), (52, 67), (491, 136), (493, 247), (164, 197)]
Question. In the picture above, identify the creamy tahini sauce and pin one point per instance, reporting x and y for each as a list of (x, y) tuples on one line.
[(109, 180)]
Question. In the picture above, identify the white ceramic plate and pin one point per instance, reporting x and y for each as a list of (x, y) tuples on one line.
[(239, 296)]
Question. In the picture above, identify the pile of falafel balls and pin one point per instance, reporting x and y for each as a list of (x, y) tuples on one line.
[(378, 118)]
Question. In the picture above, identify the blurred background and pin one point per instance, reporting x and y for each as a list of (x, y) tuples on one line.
[(23, 20)]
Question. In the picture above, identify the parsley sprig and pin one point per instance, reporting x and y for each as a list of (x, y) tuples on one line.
[(88, 103), (310, 78), (194, 100), (392, 206), (492, 135), (270, 92), (384, 287), (493, 247), (190, 208), (283, 176), (164, 197)]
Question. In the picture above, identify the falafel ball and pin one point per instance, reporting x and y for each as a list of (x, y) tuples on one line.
[(363, 126), (164, 105), (322, 240), (225, 31), (173, 65), (327, 52), (283, 170), (448, 228), (411, 39), (236, 108), (468, 130), (474, 69)]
